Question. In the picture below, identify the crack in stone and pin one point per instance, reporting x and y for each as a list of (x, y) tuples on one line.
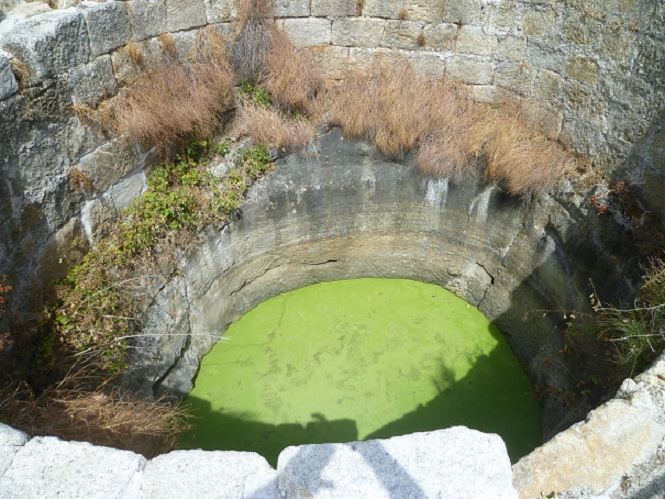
[(488, 286)]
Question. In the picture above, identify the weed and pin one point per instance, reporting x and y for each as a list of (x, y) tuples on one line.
[(256, 95), (420, 41), (22, 72), (79, 180), (403, 15), (290, 76), (252, 42), (637, 333), (135, 53), (268, 126), (101, 117), (6, 337), (400, 110), (104, 416), (175, 102), (167, 44)]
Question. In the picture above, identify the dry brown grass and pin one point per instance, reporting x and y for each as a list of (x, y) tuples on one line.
[(521, 160), (100, 117), (175, 102), (290, 76), (135, 53), (104, 416), (268, 126), (22, 72), (252, 41), (400, 111), (211, 47), (403, 15), (79, 180), (254, 10), (167, 44)]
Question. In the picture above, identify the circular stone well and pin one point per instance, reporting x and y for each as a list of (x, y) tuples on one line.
[(346, 212), (360, 359)]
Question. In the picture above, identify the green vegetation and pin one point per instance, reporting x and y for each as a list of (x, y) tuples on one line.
[(638, 332), (88, 329), (102, 298), (255, 94), (392, 357)]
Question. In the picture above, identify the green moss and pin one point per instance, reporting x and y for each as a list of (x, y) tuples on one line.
[(355, 360)]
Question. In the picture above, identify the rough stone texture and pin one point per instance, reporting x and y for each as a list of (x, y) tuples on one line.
[(334, 8), (292, 8), (223, 475), (357, 32), (185, 14), (583, 69), (511, 47), (224, 10), (455, 463), (96, 217), (90, 83), (147, 18), (11, 441), (49, 43), (126, 69), (470, 70), (8, 85), (388, 9), (308, 32), (440, 36), (48, 467), (617, 451), (108, 25), (475, 40), (128, 189), (108, 164), (401, 34)]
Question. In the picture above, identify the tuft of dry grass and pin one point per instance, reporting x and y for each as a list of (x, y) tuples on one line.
[(100, 117), (175, 102), (211, 47), (520, 160), (290, 76), (106, 416), (135, 53), (254, 10), (252, 41), (167, 44), (22, 72), (456, 137), (403, 15), (268, 126), (79, 180)]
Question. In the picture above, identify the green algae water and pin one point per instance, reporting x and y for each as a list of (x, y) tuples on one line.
[(355, 360)]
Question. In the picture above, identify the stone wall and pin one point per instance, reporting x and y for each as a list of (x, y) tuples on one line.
[(592, 73), (464, 463)]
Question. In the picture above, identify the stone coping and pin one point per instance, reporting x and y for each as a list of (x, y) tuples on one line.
[(617, 452)]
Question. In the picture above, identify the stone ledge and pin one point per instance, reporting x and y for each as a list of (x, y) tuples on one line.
[(456, 462)]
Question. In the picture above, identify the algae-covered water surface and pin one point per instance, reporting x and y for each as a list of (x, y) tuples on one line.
[(359, 359)]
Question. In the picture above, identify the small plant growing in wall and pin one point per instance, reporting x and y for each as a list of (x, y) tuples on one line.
[(5, 337)]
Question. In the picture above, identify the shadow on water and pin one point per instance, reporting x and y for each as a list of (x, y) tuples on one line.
[(215, 430), (480, 400), (487, 398)]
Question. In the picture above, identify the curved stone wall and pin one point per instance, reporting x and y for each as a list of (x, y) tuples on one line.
[(591, 71), (346, 212)]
